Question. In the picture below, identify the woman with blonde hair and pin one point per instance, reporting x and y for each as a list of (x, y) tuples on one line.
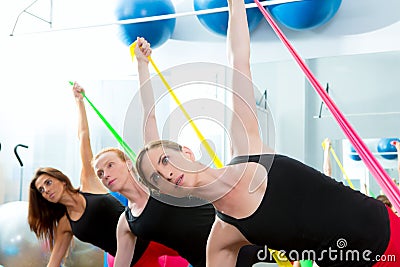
[(182, 224)]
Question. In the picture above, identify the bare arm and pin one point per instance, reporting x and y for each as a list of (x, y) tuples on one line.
[(89, 180), (245, 122), (223, 245), (142, 52), (63, 237), (126, 242), (327, 158)]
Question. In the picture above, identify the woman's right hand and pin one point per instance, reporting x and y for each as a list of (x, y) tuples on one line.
[(77, 89), (142, 50)]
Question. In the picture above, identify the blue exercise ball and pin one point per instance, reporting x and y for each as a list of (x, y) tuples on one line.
[(155, 32), (306, 14), (385, 146), (353, 154), (218, 22)]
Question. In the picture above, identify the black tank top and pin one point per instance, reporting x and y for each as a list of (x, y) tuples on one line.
[(98, 224), (304, 210), (184, 229)]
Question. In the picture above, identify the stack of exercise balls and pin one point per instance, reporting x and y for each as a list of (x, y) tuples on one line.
[(302, 15), (385, 148), (299, 15), (156, 32)]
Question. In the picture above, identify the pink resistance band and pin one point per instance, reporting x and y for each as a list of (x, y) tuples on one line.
[(383, 179)]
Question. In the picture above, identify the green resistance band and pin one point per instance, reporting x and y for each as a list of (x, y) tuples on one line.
[(123, 144)]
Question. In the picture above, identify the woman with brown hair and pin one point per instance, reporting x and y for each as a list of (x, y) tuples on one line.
[(58, 211)]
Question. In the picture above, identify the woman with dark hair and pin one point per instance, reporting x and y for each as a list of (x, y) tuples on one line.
[(58, 211)]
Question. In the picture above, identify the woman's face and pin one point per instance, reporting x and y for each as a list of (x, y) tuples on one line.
[(170, 170), (112, 171), (51, 188)]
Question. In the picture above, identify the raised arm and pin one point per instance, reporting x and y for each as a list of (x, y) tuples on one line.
[(89, 180), (142, 52), (244, 122), (62, 241), (327, 158), (126, 242)]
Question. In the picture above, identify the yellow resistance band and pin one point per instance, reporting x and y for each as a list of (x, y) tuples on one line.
[(340, 165), (207, 146), (277, 255)]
